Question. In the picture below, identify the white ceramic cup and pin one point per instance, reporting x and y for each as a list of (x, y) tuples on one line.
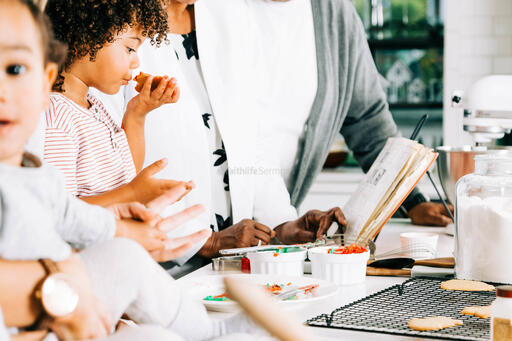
[(272, 263), (342, 269), (419, 245)]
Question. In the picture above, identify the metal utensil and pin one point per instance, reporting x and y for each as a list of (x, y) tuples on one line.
[(324, 241), (227, 263), (414, 135), (455, 162), (416, 271), (244, 250)]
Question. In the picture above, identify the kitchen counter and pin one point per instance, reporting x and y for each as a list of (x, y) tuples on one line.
[(388, 240)]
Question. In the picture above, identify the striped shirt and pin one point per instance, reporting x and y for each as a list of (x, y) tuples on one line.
[(87, 146)]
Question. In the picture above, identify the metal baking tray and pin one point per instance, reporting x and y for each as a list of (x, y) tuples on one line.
[(389, 311)]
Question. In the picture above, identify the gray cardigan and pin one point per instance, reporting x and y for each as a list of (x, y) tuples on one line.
[(349, 98)]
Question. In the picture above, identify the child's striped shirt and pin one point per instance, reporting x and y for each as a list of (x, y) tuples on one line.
[(87, 146)]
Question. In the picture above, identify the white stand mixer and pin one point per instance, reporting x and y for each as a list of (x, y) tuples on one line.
[(487, 110)]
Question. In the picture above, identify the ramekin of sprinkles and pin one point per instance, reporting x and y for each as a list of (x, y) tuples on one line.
[(342, 265), (347, 250), (283, 260)]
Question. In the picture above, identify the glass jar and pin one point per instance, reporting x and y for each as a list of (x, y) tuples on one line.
[(501, 314), (483, 215)]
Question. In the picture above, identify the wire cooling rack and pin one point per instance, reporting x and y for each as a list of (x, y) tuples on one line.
[(389, 311)]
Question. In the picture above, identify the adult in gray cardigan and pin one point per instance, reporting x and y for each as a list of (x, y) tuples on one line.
[(322, 81)]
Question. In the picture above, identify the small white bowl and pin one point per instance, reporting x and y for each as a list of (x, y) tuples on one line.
[(276, 263), (419, 245), (342, 269)]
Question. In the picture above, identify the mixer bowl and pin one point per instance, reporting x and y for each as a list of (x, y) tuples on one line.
[(455, 162)]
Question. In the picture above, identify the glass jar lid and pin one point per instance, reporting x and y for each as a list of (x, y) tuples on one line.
[(504, 291)]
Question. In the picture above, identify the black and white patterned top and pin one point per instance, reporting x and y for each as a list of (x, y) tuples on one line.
[(187, 53)]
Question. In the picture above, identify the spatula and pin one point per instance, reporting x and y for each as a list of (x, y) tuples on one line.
[(416, 271), (404, 262)]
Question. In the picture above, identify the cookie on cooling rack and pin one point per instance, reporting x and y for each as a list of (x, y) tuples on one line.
[(478, 311), (465, 285), (433, 323)]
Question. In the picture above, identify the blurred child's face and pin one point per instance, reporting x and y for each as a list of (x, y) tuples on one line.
[(115, 62), (24, 80)]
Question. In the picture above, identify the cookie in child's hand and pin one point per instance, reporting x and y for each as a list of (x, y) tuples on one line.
[(433, 323), (141, 80)]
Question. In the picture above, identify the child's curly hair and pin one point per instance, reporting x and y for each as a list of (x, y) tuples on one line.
[(87, 25)]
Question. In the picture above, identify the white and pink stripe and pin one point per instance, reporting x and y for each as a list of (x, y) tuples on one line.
[(87, 146)]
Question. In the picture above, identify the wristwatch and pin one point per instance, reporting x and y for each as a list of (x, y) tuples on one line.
[(56, 294)]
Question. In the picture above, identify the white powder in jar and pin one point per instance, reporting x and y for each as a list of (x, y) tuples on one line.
[(483, 239)]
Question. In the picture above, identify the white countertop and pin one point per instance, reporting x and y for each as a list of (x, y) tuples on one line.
[(388, 240)]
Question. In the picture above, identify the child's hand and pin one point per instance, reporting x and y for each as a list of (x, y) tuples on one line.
[(176, 247), (166, 92), (145, 187), (150, 228)]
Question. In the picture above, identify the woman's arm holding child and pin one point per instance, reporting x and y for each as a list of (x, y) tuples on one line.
[(134, 119), (20, 279)]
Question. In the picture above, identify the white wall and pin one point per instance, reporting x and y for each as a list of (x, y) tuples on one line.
[(478, 42)]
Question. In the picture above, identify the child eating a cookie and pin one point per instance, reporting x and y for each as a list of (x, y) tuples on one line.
[(99, 158)]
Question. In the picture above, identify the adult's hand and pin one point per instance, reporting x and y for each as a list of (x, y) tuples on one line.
[(311, 226), (244, 234), (429, 213), (91, 318)]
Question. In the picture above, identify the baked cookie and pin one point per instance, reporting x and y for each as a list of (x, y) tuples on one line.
[(141, 80), (478, 311), (464, 285), (433, 323)]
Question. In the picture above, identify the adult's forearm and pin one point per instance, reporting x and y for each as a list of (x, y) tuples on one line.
[(18, 282)]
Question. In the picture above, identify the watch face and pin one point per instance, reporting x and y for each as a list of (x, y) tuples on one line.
[(58, 297)]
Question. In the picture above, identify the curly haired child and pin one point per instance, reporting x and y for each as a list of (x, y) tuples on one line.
[(99, 158)]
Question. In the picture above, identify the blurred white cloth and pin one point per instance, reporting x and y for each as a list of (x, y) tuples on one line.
[(127, 280)]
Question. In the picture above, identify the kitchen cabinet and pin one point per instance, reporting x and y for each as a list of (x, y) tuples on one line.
[(406, 39)]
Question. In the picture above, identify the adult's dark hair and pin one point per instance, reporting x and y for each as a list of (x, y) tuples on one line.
[(53, 50), (85, 26)]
